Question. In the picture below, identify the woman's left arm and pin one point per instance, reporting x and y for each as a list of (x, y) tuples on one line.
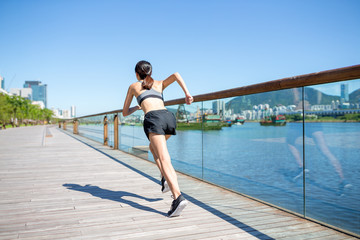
[(126, 110)]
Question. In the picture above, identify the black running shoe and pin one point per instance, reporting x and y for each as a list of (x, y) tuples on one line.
[(164, 185), (177, 206)]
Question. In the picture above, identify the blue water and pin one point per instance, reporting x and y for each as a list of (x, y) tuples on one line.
[(267, 163)]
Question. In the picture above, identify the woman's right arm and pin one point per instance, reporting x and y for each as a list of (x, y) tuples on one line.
[(126, 110), (177, 77)]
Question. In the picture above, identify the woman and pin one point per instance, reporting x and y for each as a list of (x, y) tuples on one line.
[(159, 125)]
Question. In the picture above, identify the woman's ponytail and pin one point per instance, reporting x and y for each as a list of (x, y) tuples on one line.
[(148, 82)]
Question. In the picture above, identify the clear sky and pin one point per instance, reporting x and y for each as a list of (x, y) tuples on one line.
[(86, 50)]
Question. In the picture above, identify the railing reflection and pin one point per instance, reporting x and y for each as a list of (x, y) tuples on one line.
[(294, 147)]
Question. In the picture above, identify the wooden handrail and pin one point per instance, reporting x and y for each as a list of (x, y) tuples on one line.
[(329, 76)]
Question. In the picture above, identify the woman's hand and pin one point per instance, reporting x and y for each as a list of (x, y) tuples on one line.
[(188, 99)]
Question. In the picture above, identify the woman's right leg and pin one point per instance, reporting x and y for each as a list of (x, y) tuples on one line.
[(158, 144)]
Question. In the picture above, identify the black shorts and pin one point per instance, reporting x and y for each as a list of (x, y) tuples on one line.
[(160, 121)]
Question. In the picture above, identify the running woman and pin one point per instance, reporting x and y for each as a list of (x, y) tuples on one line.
[(159, 125)]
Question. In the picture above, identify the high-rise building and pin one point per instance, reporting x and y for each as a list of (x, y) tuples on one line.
[(344, 93), (22, 92), (218, 107), (2, 84), (39, 91), (73, 111)]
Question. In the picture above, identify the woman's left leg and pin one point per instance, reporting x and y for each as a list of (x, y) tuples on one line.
[(156, 158), (158, 144)]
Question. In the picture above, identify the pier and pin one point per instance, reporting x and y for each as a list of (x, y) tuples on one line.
[(57, 185)]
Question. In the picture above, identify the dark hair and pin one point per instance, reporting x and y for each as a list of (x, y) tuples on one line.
[(144, 69)]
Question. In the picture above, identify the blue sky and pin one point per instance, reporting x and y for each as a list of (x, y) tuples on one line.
[(85, 51)]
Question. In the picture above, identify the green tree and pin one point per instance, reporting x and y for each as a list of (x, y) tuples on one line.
[(5, 110), (16, 107), (47, 114)]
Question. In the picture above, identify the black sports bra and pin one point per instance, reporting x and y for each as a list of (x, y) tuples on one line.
[(149, 93)]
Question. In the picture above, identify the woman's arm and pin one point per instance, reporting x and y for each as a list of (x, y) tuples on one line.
[(126, 110), (177, 77)]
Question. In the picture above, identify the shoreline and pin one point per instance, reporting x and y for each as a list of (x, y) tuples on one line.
[(315, 121)]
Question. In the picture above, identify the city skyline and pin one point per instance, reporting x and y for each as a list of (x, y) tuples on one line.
[(213, 45), (218, 106), (36, 92)]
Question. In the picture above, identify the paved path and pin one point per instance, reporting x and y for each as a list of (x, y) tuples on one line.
[(54, 186)]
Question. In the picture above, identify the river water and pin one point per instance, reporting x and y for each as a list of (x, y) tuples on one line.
[(268, 163)]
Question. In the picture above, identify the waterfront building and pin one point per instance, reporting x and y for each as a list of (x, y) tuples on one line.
[(2, 81), (39, 103), (280, 109), (66, 113), (248, 114), (344, 93), (321, 108), (223, 107), (215, 106), (55, 111), (218, 107), (73, 111), (39, 91), (345, 105), (333, 105), (2, 86), (22, 92)]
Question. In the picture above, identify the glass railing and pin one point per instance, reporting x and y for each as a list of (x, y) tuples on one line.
[(70, 126), (250, 154), (296, 148), (332, 154), (92, 127)]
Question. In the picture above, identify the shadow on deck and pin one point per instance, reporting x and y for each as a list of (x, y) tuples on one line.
[(55, 188)]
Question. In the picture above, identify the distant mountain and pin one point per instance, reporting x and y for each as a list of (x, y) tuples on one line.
[(284, 97), (354, 97)]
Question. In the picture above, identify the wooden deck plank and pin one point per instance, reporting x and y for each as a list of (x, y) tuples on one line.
[(68, 187)]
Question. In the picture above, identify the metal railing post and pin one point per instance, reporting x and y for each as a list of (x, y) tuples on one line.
[(105, 131), (75, 129), (116, 132)]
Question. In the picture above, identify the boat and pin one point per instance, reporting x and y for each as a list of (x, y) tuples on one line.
[(228, 123), (212, 122), (239, 121), (278, 120)]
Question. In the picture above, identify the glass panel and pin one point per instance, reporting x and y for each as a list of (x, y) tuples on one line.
[(92, 127), (70, 126), (332, 150), (186, 147), (246, 146), (140, 145), (110, 118), (126, 132)]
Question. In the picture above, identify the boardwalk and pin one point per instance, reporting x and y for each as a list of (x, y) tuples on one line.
[(56, 186)]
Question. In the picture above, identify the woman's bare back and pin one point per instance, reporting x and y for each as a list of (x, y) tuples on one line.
[(149, 104)]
